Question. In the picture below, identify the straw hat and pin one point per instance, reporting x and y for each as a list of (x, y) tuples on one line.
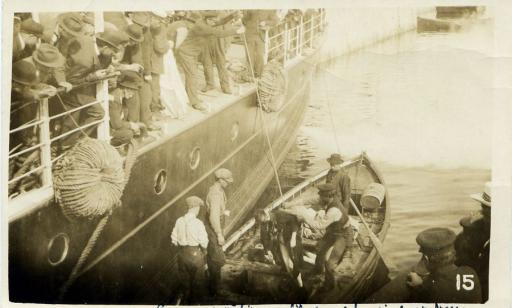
[(484, 197)]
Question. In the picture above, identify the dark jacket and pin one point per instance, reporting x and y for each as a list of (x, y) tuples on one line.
[(160, 48), (440, 286), (198, 36), (341, 181), (252, 19)]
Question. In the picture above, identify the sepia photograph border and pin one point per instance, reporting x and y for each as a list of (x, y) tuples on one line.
[(501, 235)]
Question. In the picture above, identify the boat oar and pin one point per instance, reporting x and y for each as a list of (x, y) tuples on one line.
[(376, 242)]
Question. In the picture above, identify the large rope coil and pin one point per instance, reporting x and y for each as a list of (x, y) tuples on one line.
[(89, 179), (272, 86)]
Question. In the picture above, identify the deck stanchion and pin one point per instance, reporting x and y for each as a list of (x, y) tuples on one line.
[(44, 137)]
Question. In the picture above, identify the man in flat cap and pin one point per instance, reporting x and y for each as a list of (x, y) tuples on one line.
[(215, 211), (340, 179), (190, 237), (473, 243), (338, 232), (436, 279)]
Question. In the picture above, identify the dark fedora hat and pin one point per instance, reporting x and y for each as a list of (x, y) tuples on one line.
[(131, 80), (134, 32), (32, 27), (335, 159), (72, 23), (49, 56), (114, 38), (141, 18), (25, 72)]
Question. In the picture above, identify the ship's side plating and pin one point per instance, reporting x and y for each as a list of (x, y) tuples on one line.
[(132, 259)]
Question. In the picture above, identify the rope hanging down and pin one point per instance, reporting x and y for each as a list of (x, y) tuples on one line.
[(107, 183), (264, 124)]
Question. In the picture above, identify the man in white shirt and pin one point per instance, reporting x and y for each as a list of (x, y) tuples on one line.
[(189, 234)]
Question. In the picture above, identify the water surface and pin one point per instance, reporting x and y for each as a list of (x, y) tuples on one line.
[(420, 105)]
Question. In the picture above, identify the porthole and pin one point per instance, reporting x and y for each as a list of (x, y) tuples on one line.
[(194, 158), (235, 129), (58, 248), (160, 181)]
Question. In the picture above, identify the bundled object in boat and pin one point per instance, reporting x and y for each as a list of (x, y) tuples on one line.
[(272, 87), (89, 179)]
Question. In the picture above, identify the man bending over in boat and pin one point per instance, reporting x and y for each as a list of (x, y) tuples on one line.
[(338, 231)]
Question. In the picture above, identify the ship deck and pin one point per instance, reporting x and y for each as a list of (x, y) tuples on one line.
[(215, 100)]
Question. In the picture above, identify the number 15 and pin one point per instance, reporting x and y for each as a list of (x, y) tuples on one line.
[(467, 282)]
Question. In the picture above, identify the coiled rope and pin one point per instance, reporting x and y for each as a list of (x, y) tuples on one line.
[(272, 87), (110, 182)]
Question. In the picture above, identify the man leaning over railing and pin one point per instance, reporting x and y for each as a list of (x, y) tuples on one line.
[(81, 65)]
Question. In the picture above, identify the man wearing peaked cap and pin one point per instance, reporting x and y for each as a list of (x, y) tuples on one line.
[(190, 237), (443, 281), (473, 243), (340, 179), (215, 211)]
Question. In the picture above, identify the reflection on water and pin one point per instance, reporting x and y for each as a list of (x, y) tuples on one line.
[(420, 106)]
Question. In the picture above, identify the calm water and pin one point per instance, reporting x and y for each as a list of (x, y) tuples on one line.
[(420, 106)]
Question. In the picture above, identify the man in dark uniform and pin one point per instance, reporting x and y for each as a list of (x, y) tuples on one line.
[(340, 179), (256, 21), (473, 243), (190, 236), (442, 281), (338, 233), (215, 211), (188, 53)]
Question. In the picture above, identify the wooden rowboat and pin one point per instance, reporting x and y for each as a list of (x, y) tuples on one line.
[(361, 271)]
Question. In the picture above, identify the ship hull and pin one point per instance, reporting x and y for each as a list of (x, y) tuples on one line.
[(132, 261)]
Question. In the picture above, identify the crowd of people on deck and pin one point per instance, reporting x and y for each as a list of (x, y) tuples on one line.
[(152, 61)]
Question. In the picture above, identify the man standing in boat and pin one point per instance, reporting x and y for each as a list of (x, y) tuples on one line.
[(215, 212), (340, 179), (338, 232), (473, 243), (189, 235)]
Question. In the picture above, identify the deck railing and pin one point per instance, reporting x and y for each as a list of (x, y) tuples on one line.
[(45, 143), (290, 40)]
